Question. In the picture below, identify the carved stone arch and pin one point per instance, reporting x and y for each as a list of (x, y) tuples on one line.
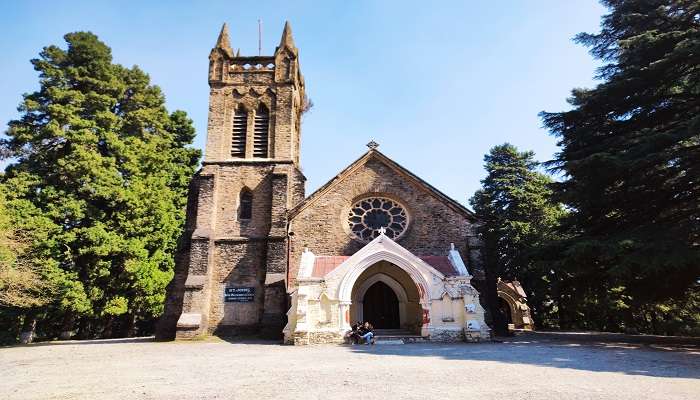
[(263, 103), (395, 286), (371, 187), (446, 309), (241, 106), (258, 91), (349, 279), (325, 307), (512, 304)]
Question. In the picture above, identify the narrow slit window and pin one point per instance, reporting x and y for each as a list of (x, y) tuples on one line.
[(245, 206), (238, 138), (261, 134)]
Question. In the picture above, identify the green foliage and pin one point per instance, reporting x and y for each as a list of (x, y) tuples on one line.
[(518, 218), (630, 155), (22, 278), (100, 173)]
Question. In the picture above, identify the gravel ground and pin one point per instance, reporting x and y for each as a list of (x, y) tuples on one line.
[(533, 366)]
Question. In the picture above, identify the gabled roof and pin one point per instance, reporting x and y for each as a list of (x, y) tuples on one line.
[(376, 154), (325, 264)]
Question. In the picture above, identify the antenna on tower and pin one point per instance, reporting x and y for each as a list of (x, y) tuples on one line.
[(259, 37)]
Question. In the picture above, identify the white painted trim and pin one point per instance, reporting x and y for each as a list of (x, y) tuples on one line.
[(382, 248), (306, 265), (457, 262)]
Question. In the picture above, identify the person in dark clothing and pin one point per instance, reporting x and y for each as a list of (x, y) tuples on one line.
[(366, 333), (355, 333)]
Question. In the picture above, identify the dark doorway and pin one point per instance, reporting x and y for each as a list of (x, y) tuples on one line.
[(504, 309), (381, 307)]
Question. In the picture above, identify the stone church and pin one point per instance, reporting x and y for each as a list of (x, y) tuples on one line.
[(376, 243)]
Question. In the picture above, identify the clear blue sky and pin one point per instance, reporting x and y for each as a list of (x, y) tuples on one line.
[(437, 84)]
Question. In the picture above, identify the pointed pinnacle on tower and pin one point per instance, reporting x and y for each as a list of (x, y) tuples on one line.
[(287, 40), (224, 42)]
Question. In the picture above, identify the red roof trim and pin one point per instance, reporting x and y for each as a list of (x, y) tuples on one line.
[(323, 265)]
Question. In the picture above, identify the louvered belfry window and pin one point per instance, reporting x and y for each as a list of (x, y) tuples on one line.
[(261, 130), (238, 138)]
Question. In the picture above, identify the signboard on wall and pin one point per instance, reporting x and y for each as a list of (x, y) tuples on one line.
[(239, 294)]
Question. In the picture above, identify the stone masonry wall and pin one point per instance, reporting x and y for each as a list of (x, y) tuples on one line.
[(433, 225), (231, 180), (238, 263), (221, 249)]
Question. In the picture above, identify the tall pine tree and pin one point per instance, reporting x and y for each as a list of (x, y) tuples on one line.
[(101, 166), (518, 217), (630, 150), (630, 154)]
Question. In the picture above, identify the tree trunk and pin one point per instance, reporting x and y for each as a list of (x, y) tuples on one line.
[(28, 328), (131, 325), (85, 328), (107, 331), (498, 322), (655, 323), (67, 326)]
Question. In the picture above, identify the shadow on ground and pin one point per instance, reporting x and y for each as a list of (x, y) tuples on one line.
[(598, 353), (141, 339)]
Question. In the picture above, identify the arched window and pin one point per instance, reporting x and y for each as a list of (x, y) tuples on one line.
[(245, 205), (238, 137), (261, 130)]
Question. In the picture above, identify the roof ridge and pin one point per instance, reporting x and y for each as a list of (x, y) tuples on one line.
[(391, 163)]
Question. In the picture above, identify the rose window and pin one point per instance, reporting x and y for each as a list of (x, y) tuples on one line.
[(369, 215)]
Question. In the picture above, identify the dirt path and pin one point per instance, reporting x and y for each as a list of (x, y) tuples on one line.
[(526, 367)]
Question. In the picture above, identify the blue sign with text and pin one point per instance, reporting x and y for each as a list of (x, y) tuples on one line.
[(239, 294)]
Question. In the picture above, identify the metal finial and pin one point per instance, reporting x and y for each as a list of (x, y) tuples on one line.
[(372, 144), (382, 230), (259, 37)]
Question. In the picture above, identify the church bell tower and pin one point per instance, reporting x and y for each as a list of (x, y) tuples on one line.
[(255, 103), (231, 276)]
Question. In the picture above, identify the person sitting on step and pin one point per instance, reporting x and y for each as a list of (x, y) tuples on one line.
[(354, 335), (367, 333)]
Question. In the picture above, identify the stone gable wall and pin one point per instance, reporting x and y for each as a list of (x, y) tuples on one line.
[(433, 225)]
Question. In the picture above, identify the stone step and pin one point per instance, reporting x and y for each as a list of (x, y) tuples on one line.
[(397, 340), (394, 332), (388, 341), (397, 336)]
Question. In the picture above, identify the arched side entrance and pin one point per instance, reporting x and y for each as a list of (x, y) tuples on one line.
[(516, 312), (505, 310), (386, 296)]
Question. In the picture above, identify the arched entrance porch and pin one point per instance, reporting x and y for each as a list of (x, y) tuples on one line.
[(387, 297)]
